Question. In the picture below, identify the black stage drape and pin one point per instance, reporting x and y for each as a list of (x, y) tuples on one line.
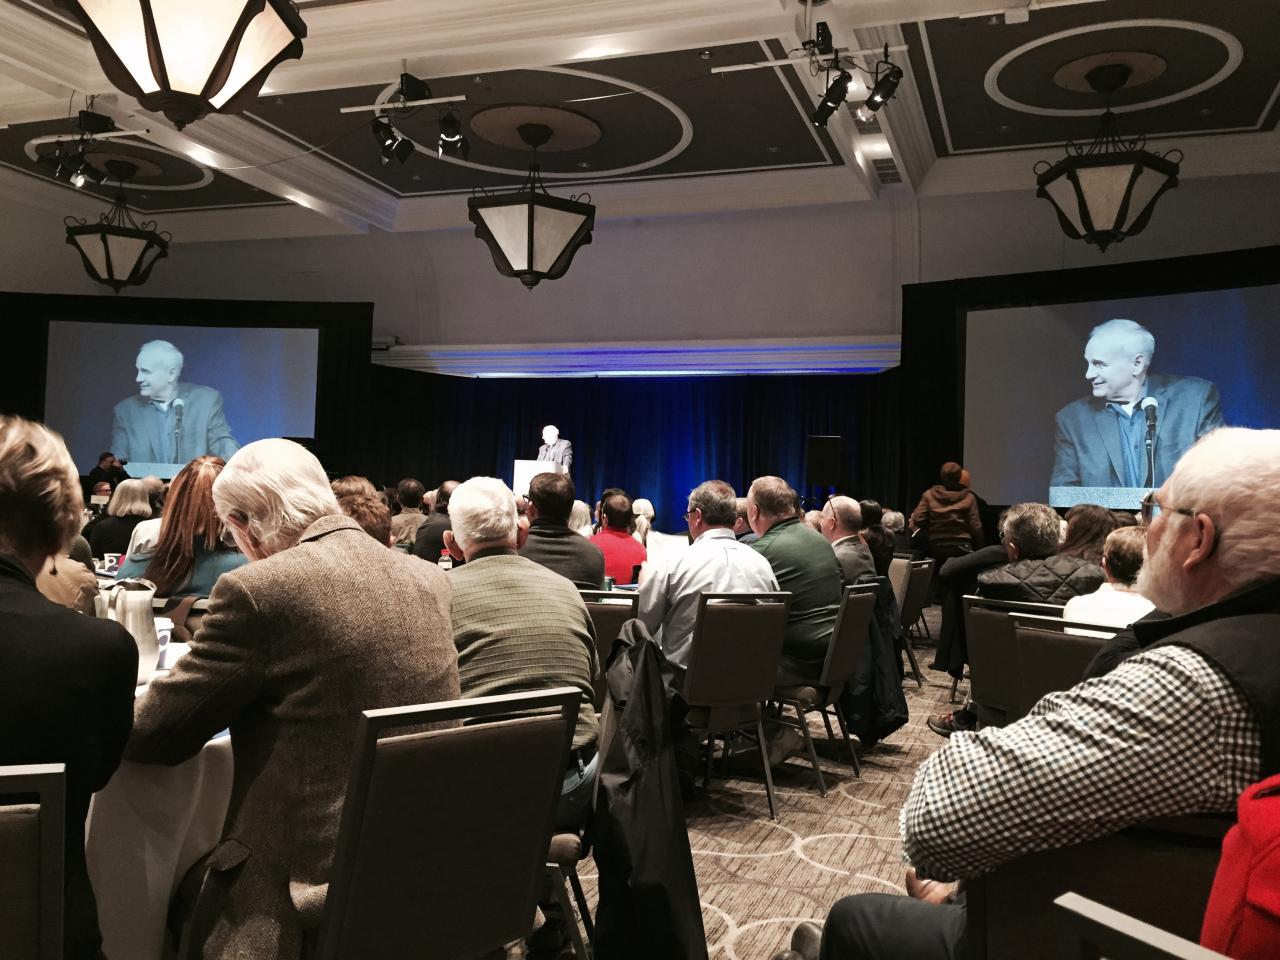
[(657, 437)]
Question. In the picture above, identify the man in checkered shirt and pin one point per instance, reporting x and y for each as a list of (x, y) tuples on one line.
[(1176, 729)]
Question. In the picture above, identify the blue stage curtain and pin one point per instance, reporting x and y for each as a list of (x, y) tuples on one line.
[(656, 437)]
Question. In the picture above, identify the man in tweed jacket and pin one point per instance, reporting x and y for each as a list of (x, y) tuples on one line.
[(325, 622)]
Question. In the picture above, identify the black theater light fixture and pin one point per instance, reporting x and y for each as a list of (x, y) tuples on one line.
[(390, 142), (832, 100), (117, 250), (187, 58), (452, 142), (882, 90), (1106, 190), (530, 233)]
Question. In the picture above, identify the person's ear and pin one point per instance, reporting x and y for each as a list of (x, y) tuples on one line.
[(1012, 550), (1204, 542), (522, 531), (248, 543), (451, 544)]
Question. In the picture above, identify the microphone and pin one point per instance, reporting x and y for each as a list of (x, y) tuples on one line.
[(1149, 406), (178, 404)]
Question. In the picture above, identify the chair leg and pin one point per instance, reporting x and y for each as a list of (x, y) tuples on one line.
[(826, 719), (808, 743), (768, 774), (711, 752), (955, 684), (915, 667), (925, 623), (580, 950), (583, 908), (844, 728)]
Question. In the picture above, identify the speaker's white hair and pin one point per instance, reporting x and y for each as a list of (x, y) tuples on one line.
[(1132, 337), (278, 488), (172, 355), (482, 510), (1232, 474)]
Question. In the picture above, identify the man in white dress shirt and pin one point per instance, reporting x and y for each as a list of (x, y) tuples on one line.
[(715, 563), (1117, 603)]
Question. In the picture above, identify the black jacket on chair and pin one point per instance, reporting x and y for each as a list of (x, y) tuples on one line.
[(649, 905), (556, 547), (66, 696), (1053, 579)]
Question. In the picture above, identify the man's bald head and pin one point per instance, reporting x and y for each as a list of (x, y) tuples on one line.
[(841, 517)]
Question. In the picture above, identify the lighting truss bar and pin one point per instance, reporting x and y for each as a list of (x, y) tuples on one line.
[(799, 61), (89, 138), (397, 105)]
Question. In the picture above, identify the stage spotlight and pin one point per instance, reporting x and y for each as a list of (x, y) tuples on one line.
[(390, 142), (411, 88), (831, 100), (80, 172), (885, 87), (451, 140)]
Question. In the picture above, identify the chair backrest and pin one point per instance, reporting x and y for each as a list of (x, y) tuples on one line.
[(1088, 929), (1048, 660), (993, 665), (444, 833), (1014, 606), (32, 838), (733, 656), (899, 575), (609, 610), (920, 575), (848, 637)]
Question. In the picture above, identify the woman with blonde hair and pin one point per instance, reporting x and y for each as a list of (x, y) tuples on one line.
[(644, 513), (129, 506), (580, 518), (190, 554)]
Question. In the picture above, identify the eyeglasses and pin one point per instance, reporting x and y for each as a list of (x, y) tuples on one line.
[(690, 513), (1152, 508)]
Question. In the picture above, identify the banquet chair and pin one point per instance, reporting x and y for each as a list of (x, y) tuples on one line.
[(915, 599), (1088, 929), (32, 840), (848, 641), (733, 666), (609, 610), (444, 838), (899, 575), (993, 666)]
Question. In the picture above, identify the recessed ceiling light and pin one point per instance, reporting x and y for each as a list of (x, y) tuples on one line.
[(584, 164), (416, 177), (1002, 128), (706, 55), (773, 149), (1206, 111)]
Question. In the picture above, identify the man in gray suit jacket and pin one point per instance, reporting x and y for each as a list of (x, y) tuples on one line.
[(840, 524), (555, 449), (323, 623), (1101, 439), (168, 421)]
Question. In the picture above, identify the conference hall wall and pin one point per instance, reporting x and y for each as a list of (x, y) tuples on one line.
[(279, 368), (994, 371)]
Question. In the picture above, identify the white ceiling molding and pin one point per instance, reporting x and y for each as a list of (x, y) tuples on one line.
[(648, 358)]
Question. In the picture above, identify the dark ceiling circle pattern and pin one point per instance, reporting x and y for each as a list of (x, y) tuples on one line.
[(1143, 68), (1206, 55), (500, 126), (158, 168)]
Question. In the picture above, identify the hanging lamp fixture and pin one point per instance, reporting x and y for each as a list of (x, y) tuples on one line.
[(187, 58), (1106, 190), (117, 250), (530, 233)]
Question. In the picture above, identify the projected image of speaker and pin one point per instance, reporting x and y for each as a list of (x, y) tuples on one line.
[(822, 461)]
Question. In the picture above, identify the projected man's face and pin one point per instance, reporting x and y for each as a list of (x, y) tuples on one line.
[(1113, 371), (550, 435), (157, 378)]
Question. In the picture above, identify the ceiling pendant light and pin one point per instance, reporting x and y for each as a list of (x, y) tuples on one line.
[(1106, 190), (186, 58), (531, 234), (117, 250)]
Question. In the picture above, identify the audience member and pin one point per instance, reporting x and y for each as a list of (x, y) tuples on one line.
[(429, 542), (741, 525), (1117, 602), (66, 680), (813, 518), (129, 506), (716, 563), (1187, 723), (840, 521), (896, 523), (580, 519), (1036, 573), (551, 542), (622, 554), (107, 471), (190, 555), (1087, 528), (644, 513), (353, 487), (68, 578), (371, 513), (872, 512), (157, 490), (294, 646), (880, 545), (405, 524), (948, 516)]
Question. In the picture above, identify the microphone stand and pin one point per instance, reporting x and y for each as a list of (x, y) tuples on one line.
[(177, 431), (1151, 455)]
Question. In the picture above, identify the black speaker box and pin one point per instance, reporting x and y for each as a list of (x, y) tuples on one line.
[(822, 461)]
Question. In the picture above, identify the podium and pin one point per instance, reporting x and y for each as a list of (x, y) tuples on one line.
[(525, 470)]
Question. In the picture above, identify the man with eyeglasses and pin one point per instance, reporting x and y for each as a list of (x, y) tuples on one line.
[(1182, 727)]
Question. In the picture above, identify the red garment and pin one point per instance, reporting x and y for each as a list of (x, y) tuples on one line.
[(1243, 916), (622, 552)]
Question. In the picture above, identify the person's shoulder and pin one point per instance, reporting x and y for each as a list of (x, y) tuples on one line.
[(198, 392), (1179, 383), (1076, 409), (91, 643)]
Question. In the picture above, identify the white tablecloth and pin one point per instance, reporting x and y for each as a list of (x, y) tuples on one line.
[(145, 830)]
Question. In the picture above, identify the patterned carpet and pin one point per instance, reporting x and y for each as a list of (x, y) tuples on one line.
[(758, 878)]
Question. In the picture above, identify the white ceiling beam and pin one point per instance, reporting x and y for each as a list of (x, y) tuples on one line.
[(902, 119)]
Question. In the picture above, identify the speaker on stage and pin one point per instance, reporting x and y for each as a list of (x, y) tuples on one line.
[(822, 461)]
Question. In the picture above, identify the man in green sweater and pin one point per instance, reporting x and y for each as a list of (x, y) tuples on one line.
[(806, 567)]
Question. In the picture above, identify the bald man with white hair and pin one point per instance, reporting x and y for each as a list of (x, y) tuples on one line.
[(1181, 727), (169, 421), (1101, 440), (554, 448), (840, 523)]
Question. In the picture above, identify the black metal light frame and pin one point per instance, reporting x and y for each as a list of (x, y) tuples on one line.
[(118, 222)]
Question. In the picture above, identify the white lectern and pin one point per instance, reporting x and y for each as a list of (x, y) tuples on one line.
[(525, 470)]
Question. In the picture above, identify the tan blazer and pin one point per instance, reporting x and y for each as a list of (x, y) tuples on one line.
[(292, 649)]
